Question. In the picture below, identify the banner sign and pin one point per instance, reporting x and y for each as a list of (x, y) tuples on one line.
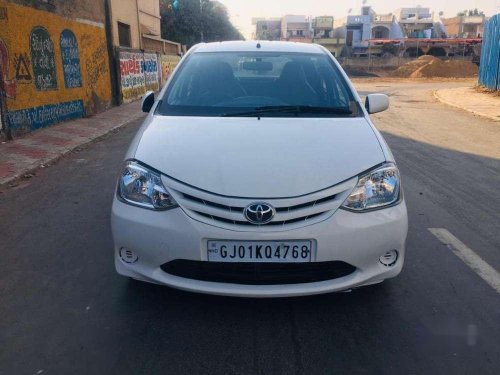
[(139, 72), (168, 64)]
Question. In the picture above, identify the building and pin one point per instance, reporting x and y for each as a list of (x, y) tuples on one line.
[(323, 27), (296, 28), (385, 26), (464, 26), (358, 27), (324, 34), (370, 25), (267, 29), (143, 60), (137, 24), (416, 22)]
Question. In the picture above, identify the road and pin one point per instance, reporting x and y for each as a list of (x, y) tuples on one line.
[(63, 309)]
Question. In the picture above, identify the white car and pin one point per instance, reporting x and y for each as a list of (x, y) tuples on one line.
[(258, 173)]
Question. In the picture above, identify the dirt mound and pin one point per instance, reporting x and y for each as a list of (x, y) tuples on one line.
[(428, 58), (407, 69), (451, 68), (430, 66)]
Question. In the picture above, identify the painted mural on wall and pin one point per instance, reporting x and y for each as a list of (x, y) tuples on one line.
[(56, 68), (70, 59), (97, 65), (9, 84), (133, 82), (151, 71), (45, 115), (168, 64), (22, 63), (139, 72), (43, 59)]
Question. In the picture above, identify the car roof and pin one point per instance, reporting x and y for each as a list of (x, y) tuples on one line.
[(265, 46)]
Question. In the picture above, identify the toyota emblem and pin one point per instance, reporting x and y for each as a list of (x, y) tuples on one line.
[(259, 213)]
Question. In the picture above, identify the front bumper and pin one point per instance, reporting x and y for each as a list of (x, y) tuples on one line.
[(358, 239)]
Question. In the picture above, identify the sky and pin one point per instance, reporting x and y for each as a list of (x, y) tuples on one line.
[(242, 11)]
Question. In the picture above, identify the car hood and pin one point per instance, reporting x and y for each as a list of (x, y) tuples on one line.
[(266, 158)]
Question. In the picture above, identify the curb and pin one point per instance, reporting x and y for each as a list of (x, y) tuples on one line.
[(54, 158), (444, 101)]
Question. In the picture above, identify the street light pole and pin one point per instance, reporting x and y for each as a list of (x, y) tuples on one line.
[(201, 29)]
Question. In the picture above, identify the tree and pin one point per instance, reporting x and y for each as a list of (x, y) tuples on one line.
[(187, 21), (471, 12)]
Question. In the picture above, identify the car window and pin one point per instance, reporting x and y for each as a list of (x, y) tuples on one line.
[(226, 83)]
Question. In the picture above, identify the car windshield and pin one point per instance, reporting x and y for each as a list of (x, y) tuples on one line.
[(258, 84)]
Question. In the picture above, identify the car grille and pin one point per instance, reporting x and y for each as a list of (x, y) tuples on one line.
[(258, 273), (228, 212)]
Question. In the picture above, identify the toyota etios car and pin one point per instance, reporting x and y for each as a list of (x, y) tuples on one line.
[(259, 173)]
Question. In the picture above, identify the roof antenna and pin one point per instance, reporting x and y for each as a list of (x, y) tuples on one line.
[(258, 45)]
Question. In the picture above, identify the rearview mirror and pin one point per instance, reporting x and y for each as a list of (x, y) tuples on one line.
[(376, 103), (259, 66), (147, 101)]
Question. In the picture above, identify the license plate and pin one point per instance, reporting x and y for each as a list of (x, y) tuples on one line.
[(260, 251)]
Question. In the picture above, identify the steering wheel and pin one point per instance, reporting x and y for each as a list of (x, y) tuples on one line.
[(208, 96)]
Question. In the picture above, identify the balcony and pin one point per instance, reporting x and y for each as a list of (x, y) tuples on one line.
[(298, 39), (476, 20), (420, 19), (383, 18), (329, 41)]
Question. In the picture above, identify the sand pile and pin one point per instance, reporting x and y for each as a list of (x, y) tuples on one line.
[(430, 66), (409, 68)]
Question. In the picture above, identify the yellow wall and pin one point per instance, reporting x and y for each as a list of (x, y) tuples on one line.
[(16, 32)]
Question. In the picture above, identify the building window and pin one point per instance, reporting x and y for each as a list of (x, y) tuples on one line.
[(124, 35)]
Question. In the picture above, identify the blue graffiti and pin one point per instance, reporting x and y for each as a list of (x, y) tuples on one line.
[(149, 66), (45, 115), (70, 59)]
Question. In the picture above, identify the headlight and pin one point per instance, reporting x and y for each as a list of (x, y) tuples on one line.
[(142, 187), (376, 189)]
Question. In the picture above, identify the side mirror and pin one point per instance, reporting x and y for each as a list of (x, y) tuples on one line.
[(147, 101), (376, 103)]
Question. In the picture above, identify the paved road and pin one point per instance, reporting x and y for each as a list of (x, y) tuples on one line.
[(64, 310)]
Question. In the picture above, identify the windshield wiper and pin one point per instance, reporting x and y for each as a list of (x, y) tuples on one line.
[(290, 109)]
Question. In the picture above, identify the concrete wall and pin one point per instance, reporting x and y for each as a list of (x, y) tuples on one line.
[(125, 11), (54, 68), (149, 16), (89, 10)]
